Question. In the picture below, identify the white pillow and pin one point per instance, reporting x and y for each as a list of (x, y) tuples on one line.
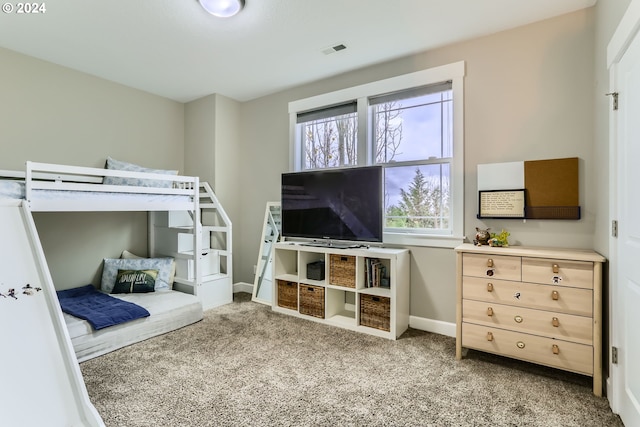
[(128, 255), (111, 267), (124, 166)]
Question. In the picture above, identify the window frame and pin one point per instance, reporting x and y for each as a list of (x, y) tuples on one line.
[(454, 72)]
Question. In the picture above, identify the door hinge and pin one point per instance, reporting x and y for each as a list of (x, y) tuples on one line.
[(614, 355), (614, 228), (615, 99)]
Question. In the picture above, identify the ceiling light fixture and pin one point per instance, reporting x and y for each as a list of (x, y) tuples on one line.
[(222, 8)]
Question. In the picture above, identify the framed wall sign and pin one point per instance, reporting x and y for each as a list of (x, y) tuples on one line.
[(501, 204)]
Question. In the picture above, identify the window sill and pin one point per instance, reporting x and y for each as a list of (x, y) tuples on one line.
[(408, 239)]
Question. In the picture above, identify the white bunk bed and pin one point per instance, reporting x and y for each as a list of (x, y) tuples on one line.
[(62, 188)]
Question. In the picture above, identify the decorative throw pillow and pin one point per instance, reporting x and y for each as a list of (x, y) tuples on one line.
[(135, 281), (112, 265), (131, 167), (128, 255)]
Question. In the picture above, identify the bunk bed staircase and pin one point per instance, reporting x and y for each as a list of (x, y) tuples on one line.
[(201, 243), (39, 366)]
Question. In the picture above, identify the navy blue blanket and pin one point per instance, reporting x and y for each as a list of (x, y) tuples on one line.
[(97, 308)]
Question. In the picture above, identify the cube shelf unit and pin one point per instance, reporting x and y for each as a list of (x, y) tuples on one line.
[(341, 298)]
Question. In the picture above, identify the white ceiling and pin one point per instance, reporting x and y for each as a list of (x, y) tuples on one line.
[(174, 49)]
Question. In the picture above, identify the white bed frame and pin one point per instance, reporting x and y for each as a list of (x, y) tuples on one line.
[(47, 176), (187, 198), (187, 194)]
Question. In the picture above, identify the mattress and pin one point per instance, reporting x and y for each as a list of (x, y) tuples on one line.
[(100, 196), (169, 310), (14, 189), (11, 189)]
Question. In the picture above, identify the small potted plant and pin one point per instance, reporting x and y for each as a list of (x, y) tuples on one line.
[(500, 239)]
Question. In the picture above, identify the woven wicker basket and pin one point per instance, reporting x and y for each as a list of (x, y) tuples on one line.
[(287, 294), (312, 300), (375, 312), (342, 270)]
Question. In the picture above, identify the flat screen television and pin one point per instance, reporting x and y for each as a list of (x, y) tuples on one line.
[(333, 204)]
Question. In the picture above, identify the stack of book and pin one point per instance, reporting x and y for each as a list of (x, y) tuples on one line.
[(375, 274)]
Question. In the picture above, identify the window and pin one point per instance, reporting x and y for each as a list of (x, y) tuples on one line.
[(328, 137), (412, 125), (412, 136)]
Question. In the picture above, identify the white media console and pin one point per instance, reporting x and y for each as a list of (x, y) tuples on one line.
[(361, 289)]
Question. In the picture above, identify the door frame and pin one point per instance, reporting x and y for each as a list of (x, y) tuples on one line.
[(625, 33)]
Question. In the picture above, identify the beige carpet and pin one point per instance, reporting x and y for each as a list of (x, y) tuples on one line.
[(244, 365)]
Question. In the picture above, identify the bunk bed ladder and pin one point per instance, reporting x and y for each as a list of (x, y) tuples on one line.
[(216, 221), (203, 253), (216, 285)]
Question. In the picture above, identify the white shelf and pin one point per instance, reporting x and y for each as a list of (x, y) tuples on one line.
[(342, 305), (287, 277), (381, 292), (306, 281), (346, 319)]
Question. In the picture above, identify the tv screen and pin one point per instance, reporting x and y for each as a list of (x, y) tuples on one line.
[(335, 204)]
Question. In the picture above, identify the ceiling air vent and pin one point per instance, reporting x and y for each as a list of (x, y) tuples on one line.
[(332, 49)]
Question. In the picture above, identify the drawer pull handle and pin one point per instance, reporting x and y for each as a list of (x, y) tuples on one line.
[(556, 268), (489, 287), (489, 311), (555, 349), (520, 344), (489, 262), (555, 295), (518, 319), (555, 322), (489, 336)]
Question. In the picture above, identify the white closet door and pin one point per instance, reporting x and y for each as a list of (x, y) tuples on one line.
[(626, 296)]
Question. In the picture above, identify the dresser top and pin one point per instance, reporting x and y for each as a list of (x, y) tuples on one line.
[(534, 252)]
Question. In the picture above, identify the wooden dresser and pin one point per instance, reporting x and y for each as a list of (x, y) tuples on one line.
[(541, 305)]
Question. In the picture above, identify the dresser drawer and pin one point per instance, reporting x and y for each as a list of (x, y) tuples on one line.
[(578, 274), (546, 351), (530, 295), (494, 266), (547, 323)]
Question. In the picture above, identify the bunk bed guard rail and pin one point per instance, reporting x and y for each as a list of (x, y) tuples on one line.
[(54, 187)]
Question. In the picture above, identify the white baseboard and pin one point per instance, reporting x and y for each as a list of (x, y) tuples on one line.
[(243, 287), (434, 326)]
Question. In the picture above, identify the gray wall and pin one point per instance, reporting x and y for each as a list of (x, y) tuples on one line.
[(53, 114), (200, 137), (528, 96), (212, 151)]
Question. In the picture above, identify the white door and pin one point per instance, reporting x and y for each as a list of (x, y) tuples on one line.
[(626, 277)]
